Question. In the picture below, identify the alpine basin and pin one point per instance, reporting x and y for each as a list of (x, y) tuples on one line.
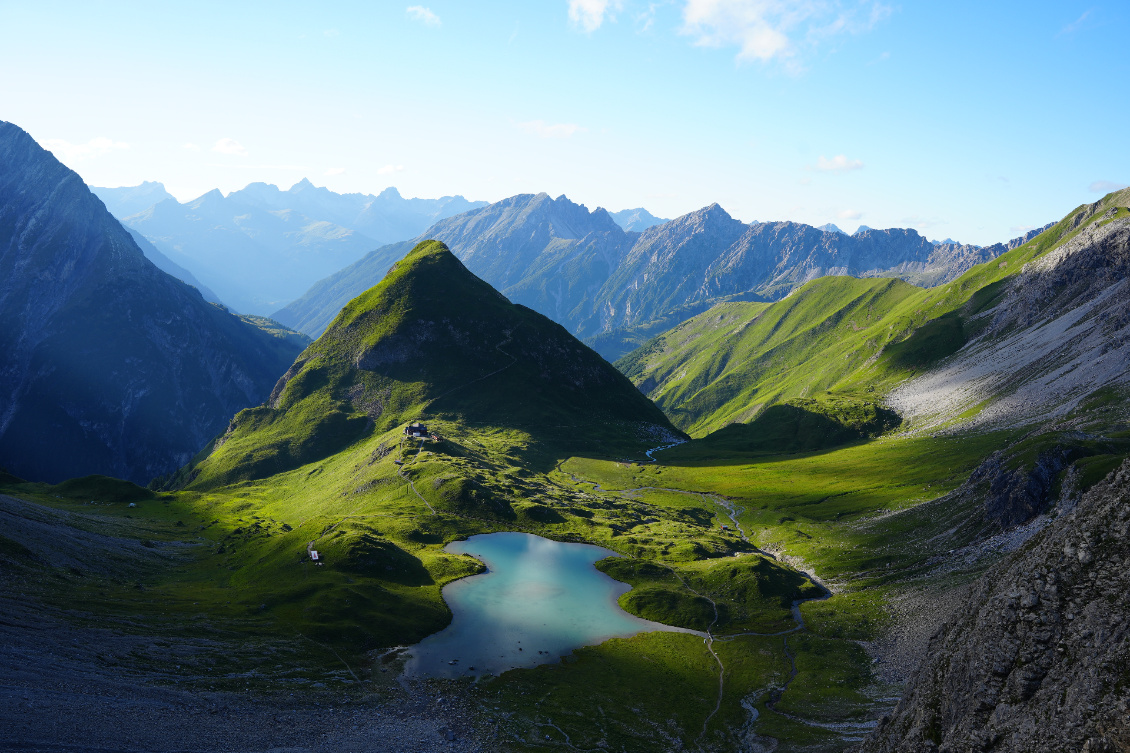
[(538, 600)]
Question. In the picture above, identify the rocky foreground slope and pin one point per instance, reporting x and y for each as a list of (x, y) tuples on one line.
[(107, 364), (1038, 658)]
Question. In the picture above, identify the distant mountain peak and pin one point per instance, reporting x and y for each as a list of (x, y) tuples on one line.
[(208, 198), (638, 219), (831, 228)]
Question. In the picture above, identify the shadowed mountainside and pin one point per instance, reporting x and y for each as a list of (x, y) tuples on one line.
[(107, 364)]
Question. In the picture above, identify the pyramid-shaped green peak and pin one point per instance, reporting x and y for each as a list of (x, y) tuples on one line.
[(433, 341)]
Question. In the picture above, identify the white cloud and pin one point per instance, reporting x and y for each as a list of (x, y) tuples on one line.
[(850, 214), (1075, 25), (230, 146), (838, 164), (767, 29), (389, 169), (96, 147), (550, 130), (423, 15), (589, 14), (1105, 186), (1022, 228), (336, 171), (191, 147)]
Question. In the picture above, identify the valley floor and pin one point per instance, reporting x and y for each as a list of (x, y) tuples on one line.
[(196, 622)]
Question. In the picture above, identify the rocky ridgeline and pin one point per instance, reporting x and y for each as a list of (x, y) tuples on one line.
[(581, 269), (1038, 656), (1058, 334)]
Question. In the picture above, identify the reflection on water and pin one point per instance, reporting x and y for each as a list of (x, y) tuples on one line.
[(538, 600)]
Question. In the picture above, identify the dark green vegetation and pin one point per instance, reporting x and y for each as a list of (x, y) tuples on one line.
[(107, 364), (799, 425)]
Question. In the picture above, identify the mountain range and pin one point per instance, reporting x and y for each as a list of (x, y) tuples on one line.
[(260, 246), (614, 287), (107, 364)]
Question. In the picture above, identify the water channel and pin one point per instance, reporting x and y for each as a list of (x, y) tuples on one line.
[(538, 600)]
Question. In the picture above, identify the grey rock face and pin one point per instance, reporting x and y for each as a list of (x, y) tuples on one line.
[(107, 364), (1039, 658), (583, 270)]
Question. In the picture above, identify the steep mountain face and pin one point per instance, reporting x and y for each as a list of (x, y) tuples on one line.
[(107, 364), (434, 340), (168, 266), (664, 269), (614, 288), (127, 200), (1037, 658), (549, 254)]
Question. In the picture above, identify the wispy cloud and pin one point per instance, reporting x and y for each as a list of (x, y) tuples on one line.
[(850, 214), (389, 169), (838, 164), (1022, 228), (590, 14), (1077, 24), (1105, 186), (766, 29), (423, 15), (191, 147), (230, 146), (96, 147), (550, 130), (335, 171)]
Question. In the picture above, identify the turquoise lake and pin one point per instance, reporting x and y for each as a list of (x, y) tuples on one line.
[(538, 600)]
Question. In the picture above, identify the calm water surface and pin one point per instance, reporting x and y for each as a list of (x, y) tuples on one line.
[(538, 600)]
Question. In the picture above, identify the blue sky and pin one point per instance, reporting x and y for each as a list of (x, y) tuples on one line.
[(971, 120)]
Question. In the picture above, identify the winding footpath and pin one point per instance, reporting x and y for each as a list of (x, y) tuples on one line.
[(733, 512)]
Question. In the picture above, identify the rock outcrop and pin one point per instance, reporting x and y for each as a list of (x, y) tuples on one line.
[(1038, 659)]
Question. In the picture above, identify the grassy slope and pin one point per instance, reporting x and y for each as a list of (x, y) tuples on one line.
[(839, 334), (432, 341)]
